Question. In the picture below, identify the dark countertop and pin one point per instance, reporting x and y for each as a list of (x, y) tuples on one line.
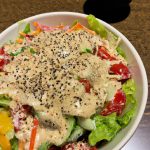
[(136, 28)]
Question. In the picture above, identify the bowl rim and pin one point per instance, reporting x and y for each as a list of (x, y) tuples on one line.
[(132, 49)]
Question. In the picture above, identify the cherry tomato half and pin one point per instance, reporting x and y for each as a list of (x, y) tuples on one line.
[(120, 69), (103, 54), (116, 105), (86, 84)]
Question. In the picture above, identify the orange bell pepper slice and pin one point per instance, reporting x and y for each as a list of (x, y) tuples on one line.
[(78, 26), (33, 134)]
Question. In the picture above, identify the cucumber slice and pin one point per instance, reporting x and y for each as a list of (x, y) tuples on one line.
[(44, 146), (86, 123), (76, 133)]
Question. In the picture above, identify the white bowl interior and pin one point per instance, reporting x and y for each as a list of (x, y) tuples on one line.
[(134, 60)]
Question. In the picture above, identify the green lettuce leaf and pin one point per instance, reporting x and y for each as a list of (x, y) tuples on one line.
[(106, 128), (27, 28), (96, 26), (129, 89), (121, 52), (14, 143), (4, 101)]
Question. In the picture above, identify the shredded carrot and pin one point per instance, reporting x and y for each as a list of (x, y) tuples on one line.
[(21, 145), (60, 27), (35, 24), (78, 26), (33, 134), (19, 40)]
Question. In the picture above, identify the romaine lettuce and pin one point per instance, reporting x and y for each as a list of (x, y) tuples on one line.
[(14, 143), (4, 101), (106, 128), (129, 89), (96, 26), (121, 52)]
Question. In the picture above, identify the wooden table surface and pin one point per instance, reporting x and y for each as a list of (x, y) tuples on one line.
[(136, 28)]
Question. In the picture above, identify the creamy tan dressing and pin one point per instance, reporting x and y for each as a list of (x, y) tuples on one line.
[(48, 81)]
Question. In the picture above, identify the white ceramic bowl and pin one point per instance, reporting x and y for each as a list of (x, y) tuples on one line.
[(134, 60)]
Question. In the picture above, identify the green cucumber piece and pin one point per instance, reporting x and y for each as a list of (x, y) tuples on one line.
[(86, 123), (76, 133)]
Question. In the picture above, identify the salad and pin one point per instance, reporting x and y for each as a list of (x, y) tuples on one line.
[(65, 87)]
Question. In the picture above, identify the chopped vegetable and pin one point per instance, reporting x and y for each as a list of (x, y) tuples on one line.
[(121, 52), (120, 69), (21, 145), (129, 87), (86, 84), (19, 51), (44, 146), (96, 26), (33, 134), (78, 26), (32, 51), (4, 58), (4, 143), (19, 40), (76, 133), (14, 143), (116, 105), (5, 122), (103, 54), (4, 101), (86, 123), (131, 104), (27, 28), (106, 129)]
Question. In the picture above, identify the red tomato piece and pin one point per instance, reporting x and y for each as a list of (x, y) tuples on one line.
[(86, 84), (120, 69), (103, 54), (2, 52), (4, 58), (116, 105), (93, 148)]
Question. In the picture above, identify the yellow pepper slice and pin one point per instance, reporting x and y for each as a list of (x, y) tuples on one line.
[(5, 122), (4, 143)]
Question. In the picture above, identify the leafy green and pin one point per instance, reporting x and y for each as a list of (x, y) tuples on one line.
[(106, 128), (27, 28), (19, 51), (44, 146), (96, 26), (4, 101), (76, 133), (32, 51), (14, 143), (86, 50), (129, 89), (121, 52)]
